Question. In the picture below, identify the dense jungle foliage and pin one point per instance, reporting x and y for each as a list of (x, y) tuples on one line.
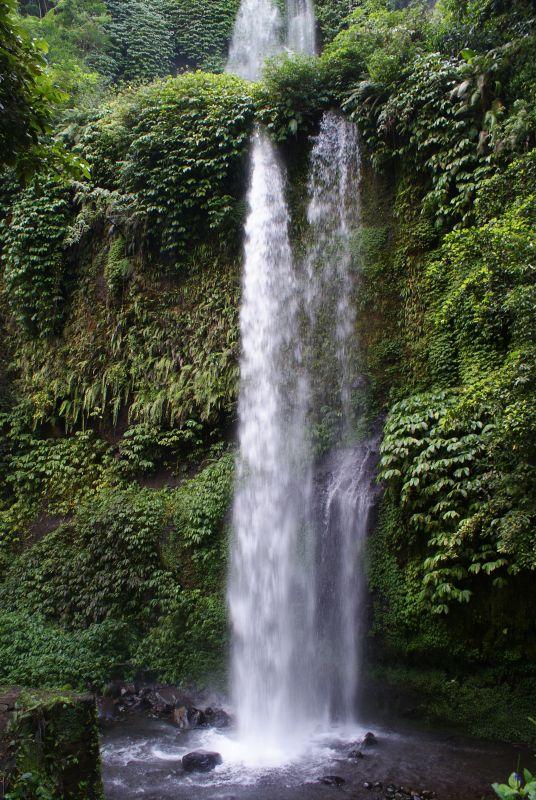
[(121, 205)]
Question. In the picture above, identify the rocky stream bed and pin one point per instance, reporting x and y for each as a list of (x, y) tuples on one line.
[(150, 734)]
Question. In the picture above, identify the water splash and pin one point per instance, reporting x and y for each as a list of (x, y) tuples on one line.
[(301, 24), (256, 37)]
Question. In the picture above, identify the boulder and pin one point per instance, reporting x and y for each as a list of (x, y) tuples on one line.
[(217, 718), (188, 717), (200, 761), (369, 740)]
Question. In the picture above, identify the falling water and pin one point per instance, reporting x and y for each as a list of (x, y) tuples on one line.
[(294, 587), (344, 505), (256, 37), (334, 216), (268, 510), (301, 26), (342, 494)]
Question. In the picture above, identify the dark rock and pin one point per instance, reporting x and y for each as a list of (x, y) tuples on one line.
[(427, 795), (217, 718), (369, 740), (377, 785), (367, 785), (355, 754), (332, 780), (187, 717), (163, 699), (391, 789), (106, 710), (201, 761), (112, 689)]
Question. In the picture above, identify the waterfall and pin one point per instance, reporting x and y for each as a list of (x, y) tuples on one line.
[(256, 37), (257, 34), (268, 507), (295, 582), (333, 214), (344, 506), (301, 26)]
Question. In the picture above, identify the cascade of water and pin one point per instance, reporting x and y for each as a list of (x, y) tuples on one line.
[(301, 26), (268, 507), (256, 37), (344, 506), (333, 214), (294, 576)]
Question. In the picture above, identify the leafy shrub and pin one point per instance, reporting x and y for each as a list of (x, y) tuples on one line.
[(142, 46), (291, 94), (202, 30), (182, 142), (35, 653), (102, 565), (34, 256), (27, 95)]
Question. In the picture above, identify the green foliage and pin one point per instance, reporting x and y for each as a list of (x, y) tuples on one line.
[(26, 92), (179, 144), (34, 652), (78, 46), (93, 587), (490, 704), (202, 31), (331, 16), (34, 256), (140, 34), (517, 786), (103, 565), (291, 95)]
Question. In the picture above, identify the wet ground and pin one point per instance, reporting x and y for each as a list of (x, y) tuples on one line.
[(142, 758)]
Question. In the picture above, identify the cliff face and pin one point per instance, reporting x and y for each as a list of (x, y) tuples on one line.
[(118, 379), (49, 742)]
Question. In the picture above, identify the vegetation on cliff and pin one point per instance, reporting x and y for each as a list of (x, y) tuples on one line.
[(120, 219)]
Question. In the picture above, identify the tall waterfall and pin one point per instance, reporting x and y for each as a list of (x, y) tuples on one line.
[(294, 583), (301, 26), (333, 215), (272, 464)]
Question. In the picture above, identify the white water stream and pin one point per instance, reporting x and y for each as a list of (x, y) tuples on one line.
[(294, 583), (258, 34)]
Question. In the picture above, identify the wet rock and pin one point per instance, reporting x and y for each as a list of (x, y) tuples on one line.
[(377, 785), (217, 718), (106, 710), (355, 755), (390, 790), (369, 740), (201, 761), (367, 785), (332, 780), (186, 717), (427, 795), (163, 699)]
